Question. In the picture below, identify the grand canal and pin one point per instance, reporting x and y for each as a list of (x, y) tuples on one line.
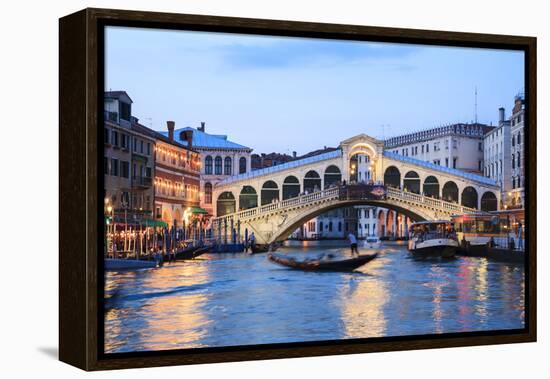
[(237, 299)]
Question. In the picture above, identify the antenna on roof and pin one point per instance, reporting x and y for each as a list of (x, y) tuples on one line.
[(475, 106)]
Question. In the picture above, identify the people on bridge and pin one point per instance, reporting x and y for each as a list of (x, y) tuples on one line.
[(353, 243)]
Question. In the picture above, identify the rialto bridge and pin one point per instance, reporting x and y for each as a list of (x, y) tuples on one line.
[(274, 201)]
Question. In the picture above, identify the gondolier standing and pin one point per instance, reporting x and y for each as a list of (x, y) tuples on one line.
[(353, 243)]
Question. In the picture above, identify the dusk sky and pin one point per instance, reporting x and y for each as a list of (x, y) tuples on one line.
[(295, 94)]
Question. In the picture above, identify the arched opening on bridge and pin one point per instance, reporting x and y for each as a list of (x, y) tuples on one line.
[(411, 182), (270, 192), (312, 182), (489, 202), (392, 177), (431, 187), (225, 204), (248, 198), (360, 168), (291, 187), (332, 176), (450, 192), (469, 197), (381, 223), (390, 223)]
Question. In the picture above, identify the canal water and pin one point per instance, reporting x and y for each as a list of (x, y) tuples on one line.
[(238, 299)]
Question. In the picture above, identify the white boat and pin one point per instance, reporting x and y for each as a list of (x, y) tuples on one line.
[(371, 242), (433, 239)]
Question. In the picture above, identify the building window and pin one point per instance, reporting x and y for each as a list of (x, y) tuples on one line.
[(446, 162), (125, 111), (148, 148), (227, 165), (141, 147), (480, 146), (513, 161), (479, 164), (330, 226), (106, 135), (454, 162), (105, 166), (208, 193), (242, 165), (114, 167), (208, 165), (218, 165), (124, 169), (519, 165), (519, 138), (340, 226), (115, 138), (427, 148)]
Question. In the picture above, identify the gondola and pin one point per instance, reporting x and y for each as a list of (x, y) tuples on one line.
[(191, 253), (264, 248), (349, 264)]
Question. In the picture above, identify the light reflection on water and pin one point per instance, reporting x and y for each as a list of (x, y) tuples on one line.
[(236, 299)]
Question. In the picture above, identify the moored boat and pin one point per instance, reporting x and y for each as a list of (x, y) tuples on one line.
[(371, 242), (433, 239), (113, 264), (349, 264)]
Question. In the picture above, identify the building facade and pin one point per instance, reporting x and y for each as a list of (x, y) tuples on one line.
[(219, 158), (458, 146), (128, 162), (516, 196), (177, 179)]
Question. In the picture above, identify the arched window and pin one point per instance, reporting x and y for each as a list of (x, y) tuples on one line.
[(242, 165), (411, 182), (227, 165), (218, 166), (488, 202), (469, 197), (312, 182), (291, 187), (392, 177), (208, 165), (248, 198), (225, 204), (332, 176), (450, 192), (431, 187), (208, 193), (270, 192)]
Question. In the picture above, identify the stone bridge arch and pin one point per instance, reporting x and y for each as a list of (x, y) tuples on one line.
[(287, 225)]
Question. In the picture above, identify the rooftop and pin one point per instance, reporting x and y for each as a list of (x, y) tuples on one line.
[(432, 166), (281, 167), (207, 141), (475, 130)]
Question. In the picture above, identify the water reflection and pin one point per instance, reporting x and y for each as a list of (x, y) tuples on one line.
[(236, 299)]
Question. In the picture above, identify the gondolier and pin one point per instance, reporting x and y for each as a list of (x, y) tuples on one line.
[(353, 243)]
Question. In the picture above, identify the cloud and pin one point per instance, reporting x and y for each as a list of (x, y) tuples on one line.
[(310, 52)]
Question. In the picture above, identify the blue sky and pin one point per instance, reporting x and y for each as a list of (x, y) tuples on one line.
[(284, 94)]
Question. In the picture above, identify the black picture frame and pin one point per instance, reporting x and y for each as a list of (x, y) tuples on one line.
[(81, 74)]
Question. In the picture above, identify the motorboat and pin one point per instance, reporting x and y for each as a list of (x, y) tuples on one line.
[(371, 242), (433, 239)]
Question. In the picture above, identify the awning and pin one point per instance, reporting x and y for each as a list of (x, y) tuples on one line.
[(199, 210)]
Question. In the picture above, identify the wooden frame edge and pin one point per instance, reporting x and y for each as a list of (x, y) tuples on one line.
[(78, 166)]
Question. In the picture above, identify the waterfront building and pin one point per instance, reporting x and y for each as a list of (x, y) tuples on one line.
[(259, 161), (458, 146), (177, 179), (497, 154), (128, 161), (219, 158), (516, 196)]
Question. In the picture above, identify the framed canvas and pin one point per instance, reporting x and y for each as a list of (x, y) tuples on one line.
[(241, 189)]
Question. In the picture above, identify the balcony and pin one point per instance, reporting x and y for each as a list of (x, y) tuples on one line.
[(142, 181)]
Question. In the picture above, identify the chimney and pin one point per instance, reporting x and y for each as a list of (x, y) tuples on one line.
[(293, 154), (187, 135), (500, 115), (170, 125), (201, 128)]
